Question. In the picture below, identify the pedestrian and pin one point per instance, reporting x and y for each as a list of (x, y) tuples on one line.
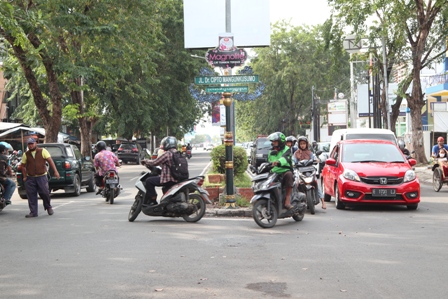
[(5, 171), (34, 172)]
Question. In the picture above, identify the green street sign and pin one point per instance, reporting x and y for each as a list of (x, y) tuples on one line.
[(209, 80), (227, 89)]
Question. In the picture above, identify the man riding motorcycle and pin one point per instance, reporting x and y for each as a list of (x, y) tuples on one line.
[(104, 161), (165, 179), (280, 158)]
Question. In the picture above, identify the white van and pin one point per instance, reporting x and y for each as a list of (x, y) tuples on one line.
[(364, 133)]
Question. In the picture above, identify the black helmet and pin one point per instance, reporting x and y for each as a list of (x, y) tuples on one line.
[(303, 138), (2, 148), (401, 144), (280, 137), (291, 139), (100, 145), (169, 142)]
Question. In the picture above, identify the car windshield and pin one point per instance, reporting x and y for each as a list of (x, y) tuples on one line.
[(371, 152), (323, 146), (388, 137), (54, 151), (263, 143)]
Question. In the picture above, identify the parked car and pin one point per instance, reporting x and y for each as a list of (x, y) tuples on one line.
[(130, 152), (75, 171), (209, 147), (259, 152), (370, 172)]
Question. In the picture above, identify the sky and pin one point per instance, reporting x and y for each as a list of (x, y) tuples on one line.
[(300, 12)]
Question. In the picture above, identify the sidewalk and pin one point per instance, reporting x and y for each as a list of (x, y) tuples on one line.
[(424, 174)]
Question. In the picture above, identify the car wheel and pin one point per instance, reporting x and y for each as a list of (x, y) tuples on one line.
[(92, 186), (339, 204), (77, 185), (23, 196)]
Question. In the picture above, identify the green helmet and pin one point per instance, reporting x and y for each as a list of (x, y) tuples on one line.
[(280, 137)]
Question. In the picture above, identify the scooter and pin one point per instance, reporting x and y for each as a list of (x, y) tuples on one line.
[(269, 197), (2, 200), (111, 186), (188, 153), (185, 199), (306, 182)]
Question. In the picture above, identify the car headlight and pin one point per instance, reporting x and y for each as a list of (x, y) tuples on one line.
[(351, 175), (409, 176)]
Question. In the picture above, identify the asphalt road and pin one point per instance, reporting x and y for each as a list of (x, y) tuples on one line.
[(88, 249)]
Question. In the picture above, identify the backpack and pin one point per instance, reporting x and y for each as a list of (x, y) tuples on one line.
[(179, 167)]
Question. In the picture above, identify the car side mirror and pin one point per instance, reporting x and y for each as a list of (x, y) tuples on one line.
[(330, 161), (412, 162)]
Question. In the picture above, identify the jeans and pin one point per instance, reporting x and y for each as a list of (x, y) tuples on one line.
[(10, 186)]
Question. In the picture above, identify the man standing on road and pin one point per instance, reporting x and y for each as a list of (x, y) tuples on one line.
[(34, 172)]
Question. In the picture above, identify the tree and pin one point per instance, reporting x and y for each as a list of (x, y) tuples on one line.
[(298, 58), (413, 30)]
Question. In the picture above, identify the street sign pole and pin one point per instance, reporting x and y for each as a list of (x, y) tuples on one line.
[(228, 142)]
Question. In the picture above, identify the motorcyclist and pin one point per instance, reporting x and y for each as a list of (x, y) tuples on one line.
[(280, 159), (402, 146), (165, 179), (304, 153), (291, 141), (188, 147), (5, 170), (104, 161), (440, 144)]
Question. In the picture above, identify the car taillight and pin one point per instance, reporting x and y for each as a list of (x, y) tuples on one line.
[(67, 165), (135, 150)]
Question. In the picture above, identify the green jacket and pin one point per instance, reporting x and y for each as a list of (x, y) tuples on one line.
[(284, 156)]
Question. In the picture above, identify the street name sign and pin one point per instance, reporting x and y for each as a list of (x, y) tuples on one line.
[(227, 89), (225, 79)]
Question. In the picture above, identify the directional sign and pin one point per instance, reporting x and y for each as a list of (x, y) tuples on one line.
[(227, 89), (209, 80)]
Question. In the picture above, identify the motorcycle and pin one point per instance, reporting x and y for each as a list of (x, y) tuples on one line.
[(110, 185), (305, 182), (181, 200), (188, 153), (269, 197)]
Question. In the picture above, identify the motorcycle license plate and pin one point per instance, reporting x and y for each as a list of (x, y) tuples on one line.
[(306, 169), (377, 192), (112, 181)]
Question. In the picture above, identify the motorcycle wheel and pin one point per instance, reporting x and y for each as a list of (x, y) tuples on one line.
[(111, 195), (136, 207), (261, 215), (200, 206), (310, 202), (298, 217)]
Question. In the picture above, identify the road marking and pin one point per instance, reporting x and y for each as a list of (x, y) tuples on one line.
[(64, 204)]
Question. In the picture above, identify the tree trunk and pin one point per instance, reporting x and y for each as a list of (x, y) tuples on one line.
[(416, 103)]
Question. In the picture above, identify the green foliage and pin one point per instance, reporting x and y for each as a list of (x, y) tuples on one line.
[(218, 156), (298, 59)]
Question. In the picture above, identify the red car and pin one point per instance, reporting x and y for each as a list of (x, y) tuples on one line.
[(371, 172)]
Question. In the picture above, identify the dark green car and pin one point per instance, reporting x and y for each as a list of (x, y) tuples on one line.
[(75, 171)]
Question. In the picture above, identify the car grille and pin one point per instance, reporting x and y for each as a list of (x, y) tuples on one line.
[(377, 180)]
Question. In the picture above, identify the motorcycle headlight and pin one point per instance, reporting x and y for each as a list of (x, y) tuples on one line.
[(351, 175), (409, 176), (308, 180)]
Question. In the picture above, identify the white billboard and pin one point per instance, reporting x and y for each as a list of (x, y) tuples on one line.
[(205, 21)]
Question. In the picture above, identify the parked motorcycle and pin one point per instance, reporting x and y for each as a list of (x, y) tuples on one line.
[(186, 199), (305, 182), (111, 186), (269, 197)]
